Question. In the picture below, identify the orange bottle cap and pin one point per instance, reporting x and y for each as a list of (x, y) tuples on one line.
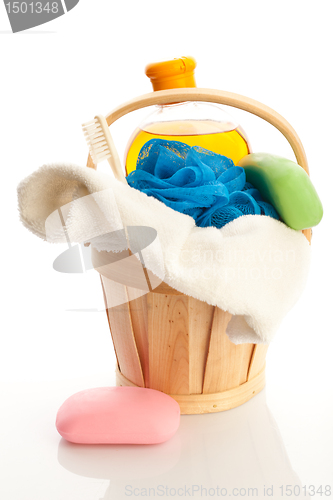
[(173, 74)]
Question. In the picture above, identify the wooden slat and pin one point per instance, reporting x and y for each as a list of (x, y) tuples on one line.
[(227, 364), (258, 360), (166, 289), (107, 315), (120, 268), (168, 337), (247, 352), (200, 325), (139, 315), (210, 403), (122, 333), (217, 370), (122, 381), (226, 400)]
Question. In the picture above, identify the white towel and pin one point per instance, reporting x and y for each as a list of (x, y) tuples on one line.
[(255, 267)]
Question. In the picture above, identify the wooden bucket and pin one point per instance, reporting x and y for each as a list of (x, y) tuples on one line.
[(178, 345), (174, 343)]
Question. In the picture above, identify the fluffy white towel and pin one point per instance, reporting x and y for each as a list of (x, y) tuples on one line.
[(254, 267)]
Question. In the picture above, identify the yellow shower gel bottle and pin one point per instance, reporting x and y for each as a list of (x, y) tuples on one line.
[(194, 123)]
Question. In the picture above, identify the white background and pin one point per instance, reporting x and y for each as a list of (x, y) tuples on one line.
[(59, 75)]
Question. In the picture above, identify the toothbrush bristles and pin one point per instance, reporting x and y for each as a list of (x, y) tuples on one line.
[(97, 144)]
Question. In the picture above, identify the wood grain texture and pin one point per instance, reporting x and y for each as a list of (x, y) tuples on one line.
[(90, 163), (122, 335), (210, 403), (227, 364), (200, 324), (139, 316), (122, 267), (166, 289), (122, 381), (178, 345), (107, 315), (258, 360), (168, 331), (247, 352)]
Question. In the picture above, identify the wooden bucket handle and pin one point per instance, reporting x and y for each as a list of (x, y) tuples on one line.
[(218, 97)]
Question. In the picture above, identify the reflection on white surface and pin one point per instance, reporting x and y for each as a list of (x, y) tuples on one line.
[(235, 453), (120, 462)]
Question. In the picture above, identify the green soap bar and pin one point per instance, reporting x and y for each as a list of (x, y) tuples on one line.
[(286, 186)]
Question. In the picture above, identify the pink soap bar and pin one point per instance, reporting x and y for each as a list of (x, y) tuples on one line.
[(118, 415)]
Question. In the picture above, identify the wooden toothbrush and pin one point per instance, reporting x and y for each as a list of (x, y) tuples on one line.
[(101, 145)]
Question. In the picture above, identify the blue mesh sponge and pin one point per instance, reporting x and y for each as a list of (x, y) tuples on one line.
[(150, 151), (197, 182), (234, 179), (223, 215)]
